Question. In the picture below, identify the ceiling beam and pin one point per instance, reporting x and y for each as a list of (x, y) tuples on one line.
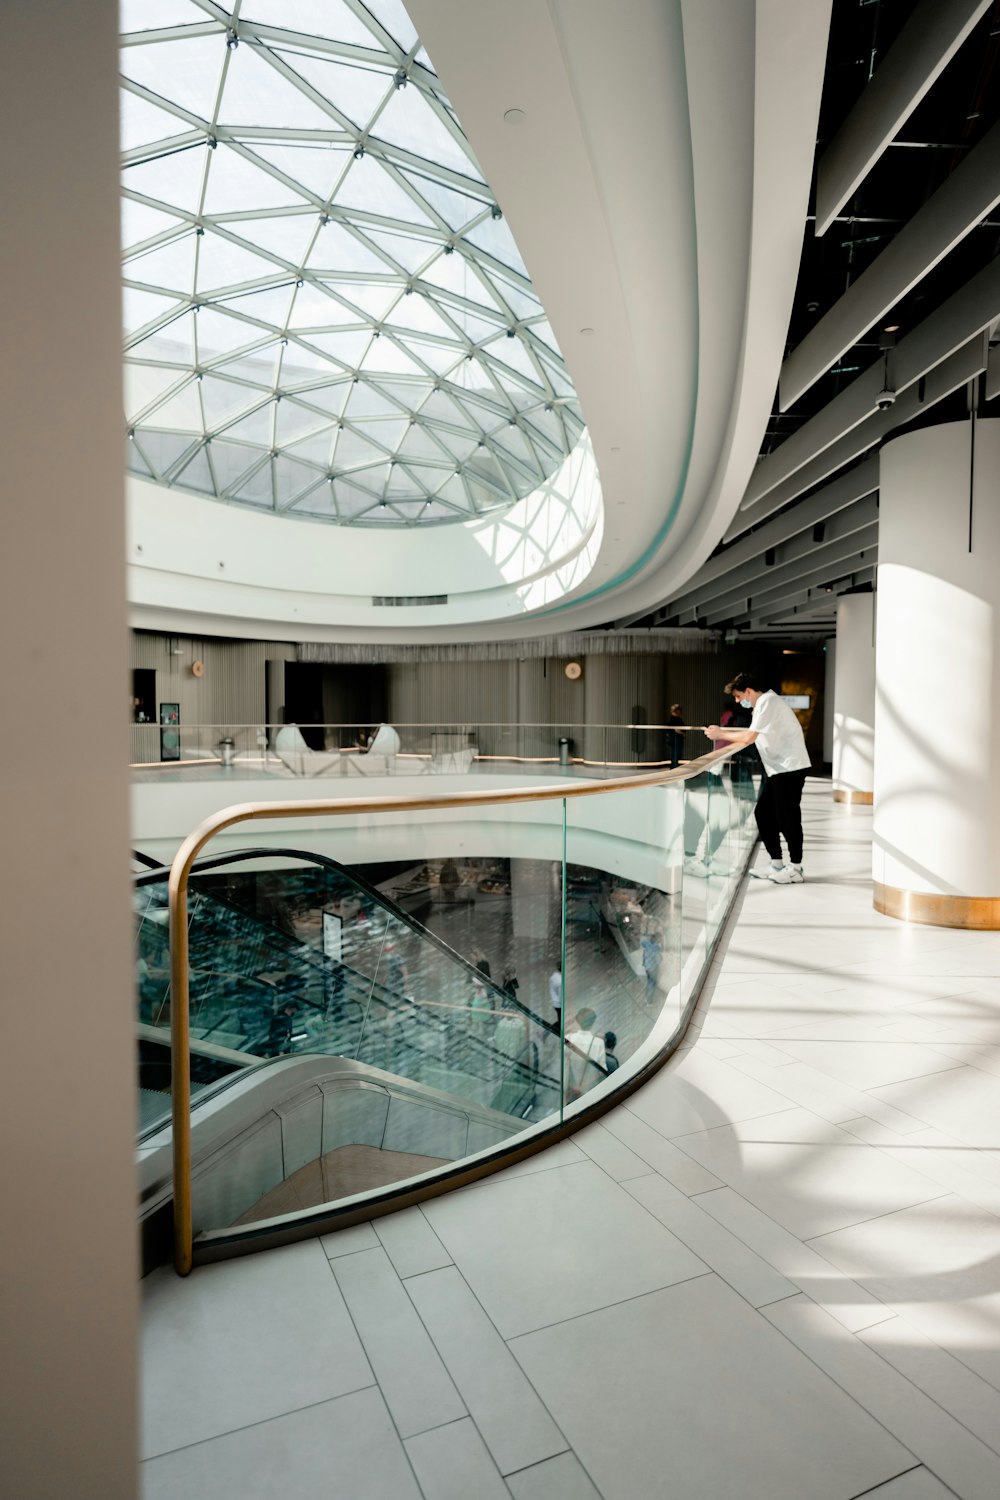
[(808, 601), (757, 573), (963, 199), (924, 47), (961, 367), (818, 566), (966, 313)]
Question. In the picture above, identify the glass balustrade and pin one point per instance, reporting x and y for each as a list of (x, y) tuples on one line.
[(376, 996)]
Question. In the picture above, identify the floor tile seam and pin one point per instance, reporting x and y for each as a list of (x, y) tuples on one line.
[(848, 1281), (149, 1458), (874, 1218), (674, 1140), (861, 1404), (863, 1494), (503, 1340), (364, 1349), (430, 1229), (994, 1447), (589, 1312), (454, 1422), (949, 1190), (901, 1310)]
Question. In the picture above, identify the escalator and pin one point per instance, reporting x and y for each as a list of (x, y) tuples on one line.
[(311, 990)]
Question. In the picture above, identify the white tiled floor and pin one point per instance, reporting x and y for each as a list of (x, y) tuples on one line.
[(772, 1273)]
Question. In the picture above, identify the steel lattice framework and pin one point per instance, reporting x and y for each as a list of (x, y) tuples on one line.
[(326, 314)]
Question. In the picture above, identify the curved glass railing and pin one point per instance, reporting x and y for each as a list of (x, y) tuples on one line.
[(386, 995)]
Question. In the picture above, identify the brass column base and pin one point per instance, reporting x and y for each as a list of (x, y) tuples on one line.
[(860, 799), (977, 913)]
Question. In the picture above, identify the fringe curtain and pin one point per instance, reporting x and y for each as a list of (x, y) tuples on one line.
[(582, 643)]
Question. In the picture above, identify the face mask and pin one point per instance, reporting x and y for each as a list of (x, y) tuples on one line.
[(745, 703)]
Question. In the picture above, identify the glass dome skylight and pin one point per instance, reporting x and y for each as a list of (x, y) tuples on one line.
[(325, 311)]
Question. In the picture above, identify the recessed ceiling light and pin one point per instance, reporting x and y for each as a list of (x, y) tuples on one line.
[(586, 332), (891, 328), (616, 450), (514, 116)]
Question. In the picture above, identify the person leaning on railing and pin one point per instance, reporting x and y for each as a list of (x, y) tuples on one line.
[(781, 745)]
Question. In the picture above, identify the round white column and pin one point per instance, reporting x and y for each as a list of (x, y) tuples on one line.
[(936, 851), (854, 700)]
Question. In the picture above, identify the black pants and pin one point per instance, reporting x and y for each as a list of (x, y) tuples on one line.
[(779, 811)]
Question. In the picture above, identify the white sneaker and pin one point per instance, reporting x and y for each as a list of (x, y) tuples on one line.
[(787, 875), (718, 867), (696, 867), (765, 872)]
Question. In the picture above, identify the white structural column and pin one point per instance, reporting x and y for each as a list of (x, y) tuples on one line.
[(854, 699), (937, 721), (68, 1263)]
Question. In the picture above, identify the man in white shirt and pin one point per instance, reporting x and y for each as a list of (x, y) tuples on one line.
[(584, 1048), (781, 745)]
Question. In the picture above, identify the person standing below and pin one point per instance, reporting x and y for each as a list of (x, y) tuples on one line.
[(676, 735), (555, 993), (584, 1048), (781, 745)]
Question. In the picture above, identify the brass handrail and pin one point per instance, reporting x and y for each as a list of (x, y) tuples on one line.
[(245, 812)]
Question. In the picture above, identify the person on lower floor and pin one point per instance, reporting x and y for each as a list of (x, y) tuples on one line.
[(781, 745)]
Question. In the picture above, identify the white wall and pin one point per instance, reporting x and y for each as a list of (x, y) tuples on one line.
[(937, 726), (67, 1066)]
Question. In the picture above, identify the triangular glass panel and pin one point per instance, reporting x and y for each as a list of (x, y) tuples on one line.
[(291, 478), (190, 66), (148, 15), (325, 18), (292, 422), (338, 252), (386, 356), (557, 377), (145, 384), (257, 94), (353, 449), (410, 393), (222, 400), (287, 235), (317, 168), (521, 303), (519, 398), (320, 501), (197, 475), (441, 407), (494, 236), (363, 401), (460, 448), (223, 264), (409, 121), (270, 306), (235, 184), (142, 123), (372, 479), (219, 334), (314, 307), (485, 469), (316, 449), (453, 490), (512, 353), (356, 92), (344, 346), (301, 365), (541, 328), (230, 461), (372, 297), (171, 266), (173, 344), (546, 426), (407, 251), (401, 483), (455, 208), (391, 14), (438, 357), (257, 490), (134, 461), (420, 443), (258, 368), (474, 325), (420, 314), (386, 431), (140, 222), (369, 188), (327, 398), (351, 500), (181, 411), (514, 444), (456, 274), (176, 179), (257, 428), (163, 449), (140, 308)]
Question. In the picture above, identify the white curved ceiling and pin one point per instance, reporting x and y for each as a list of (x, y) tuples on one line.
[(656, 182)]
